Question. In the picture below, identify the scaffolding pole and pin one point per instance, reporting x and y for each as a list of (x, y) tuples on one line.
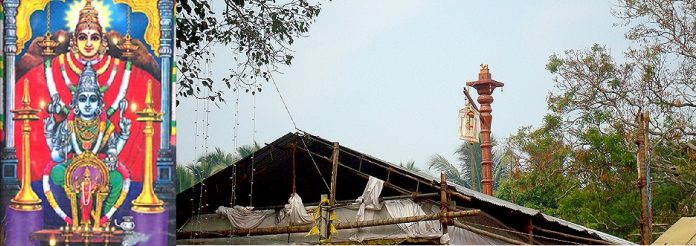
[(306, 228)]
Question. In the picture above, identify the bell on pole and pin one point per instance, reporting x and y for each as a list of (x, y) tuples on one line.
[(469, 124)]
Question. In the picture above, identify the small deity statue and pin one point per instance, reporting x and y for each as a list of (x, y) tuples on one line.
[(87, 188)]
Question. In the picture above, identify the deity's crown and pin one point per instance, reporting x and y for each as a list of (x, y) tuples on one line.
[(88, 81), (88, 15), (87, 173)]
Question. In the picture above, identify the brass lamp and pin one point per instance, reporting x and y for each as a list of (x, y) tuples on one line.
[(147, 201)]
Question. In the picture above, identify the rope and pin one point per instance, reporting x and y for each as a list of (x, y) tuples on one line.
[(301, 137)]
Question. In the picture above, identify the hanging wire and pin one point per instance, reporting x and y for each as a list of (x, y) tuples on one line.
[(234, 139), (253, 154), (302, 137)]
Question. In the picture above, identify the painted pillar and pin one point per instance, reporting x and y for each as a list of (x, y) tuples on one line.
[(485, 86), (165, 159), (10, 183), (164, 183)]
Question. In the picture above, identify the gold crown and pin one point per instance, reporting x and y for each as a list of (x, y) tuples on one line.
[(89, 15)]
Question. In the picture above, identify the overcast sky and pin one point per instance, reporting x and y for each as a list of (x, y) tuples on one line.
[(386, 77)]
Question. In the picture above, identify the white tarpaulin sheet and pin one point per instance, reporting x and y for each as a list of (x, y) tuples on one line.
[(370, 197), (296, 211), (244, 217)]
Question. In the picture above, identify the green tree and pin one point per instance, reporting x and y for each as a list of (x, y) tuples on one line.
[(257, 33), (184, 178), (208, 165), (580, 165), (467, 171), (410, 165)]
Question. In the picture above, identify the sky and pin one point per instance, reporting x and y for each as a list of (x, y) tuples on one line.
[(385, 77)]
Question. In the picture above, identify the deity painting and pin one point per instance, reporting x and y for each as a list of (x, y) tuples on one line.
[(97, 75)]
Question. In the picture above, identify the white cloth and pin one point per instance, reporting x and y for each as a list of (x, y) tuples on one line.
[(408, 208), (296, 210), (370, 197), (244, 217)]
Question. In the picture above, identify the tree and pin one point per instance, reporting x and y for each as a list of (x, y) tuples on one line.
[(257, 33), (657, 76), (209, 164), (580, 165), (467, 172), (410, 165)]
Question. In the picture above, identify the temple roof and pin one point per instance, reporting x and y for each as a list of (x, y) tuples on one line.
[(273, 184)]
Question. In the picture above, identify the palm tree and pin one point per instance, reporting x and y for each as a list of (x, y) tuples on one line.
[(467, 172), (209, 164), (410, 165), (246, 150), (184, 178)]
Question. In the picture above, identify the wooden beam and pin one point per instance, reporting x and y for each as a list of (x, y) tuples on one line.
[(306, 228), (443, 202), (334, 173), (294, 176), (418, 218)]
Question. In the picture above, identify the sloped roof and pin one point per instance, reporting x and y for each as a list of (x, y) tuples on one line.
[(682, 232), (272, 185)]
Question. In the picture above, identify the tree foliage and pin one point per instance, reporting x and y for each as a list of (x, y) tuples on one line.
[(580, 164), (256, 33), (410, 165), (209, 164), (467, 171)]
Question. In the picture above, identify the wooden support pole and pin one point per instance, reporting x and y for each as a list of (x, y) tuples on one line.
[(487, 233), (294, 176), (443, 202), (334, 172), (306, 228), (644, 179), (459, 195), (530, 231)]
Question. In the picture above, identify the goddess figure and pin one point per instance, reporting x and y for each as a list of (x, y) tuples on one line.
[(86, 86), (87, 188), (86, 129)]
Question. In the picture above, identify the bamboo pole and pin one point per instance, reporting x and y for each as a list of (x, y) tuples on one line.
[(418, 218), (487, 233), (306, 228), (344, 203), (443, 202)]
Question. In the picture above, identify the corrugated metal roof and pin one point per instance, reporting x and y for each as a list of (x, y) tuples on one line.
[(525, 210)]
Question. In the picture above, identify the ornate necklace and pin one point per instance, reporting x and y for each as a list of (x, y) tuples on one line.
[(86, 131), (100, 70), (86, 201)]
